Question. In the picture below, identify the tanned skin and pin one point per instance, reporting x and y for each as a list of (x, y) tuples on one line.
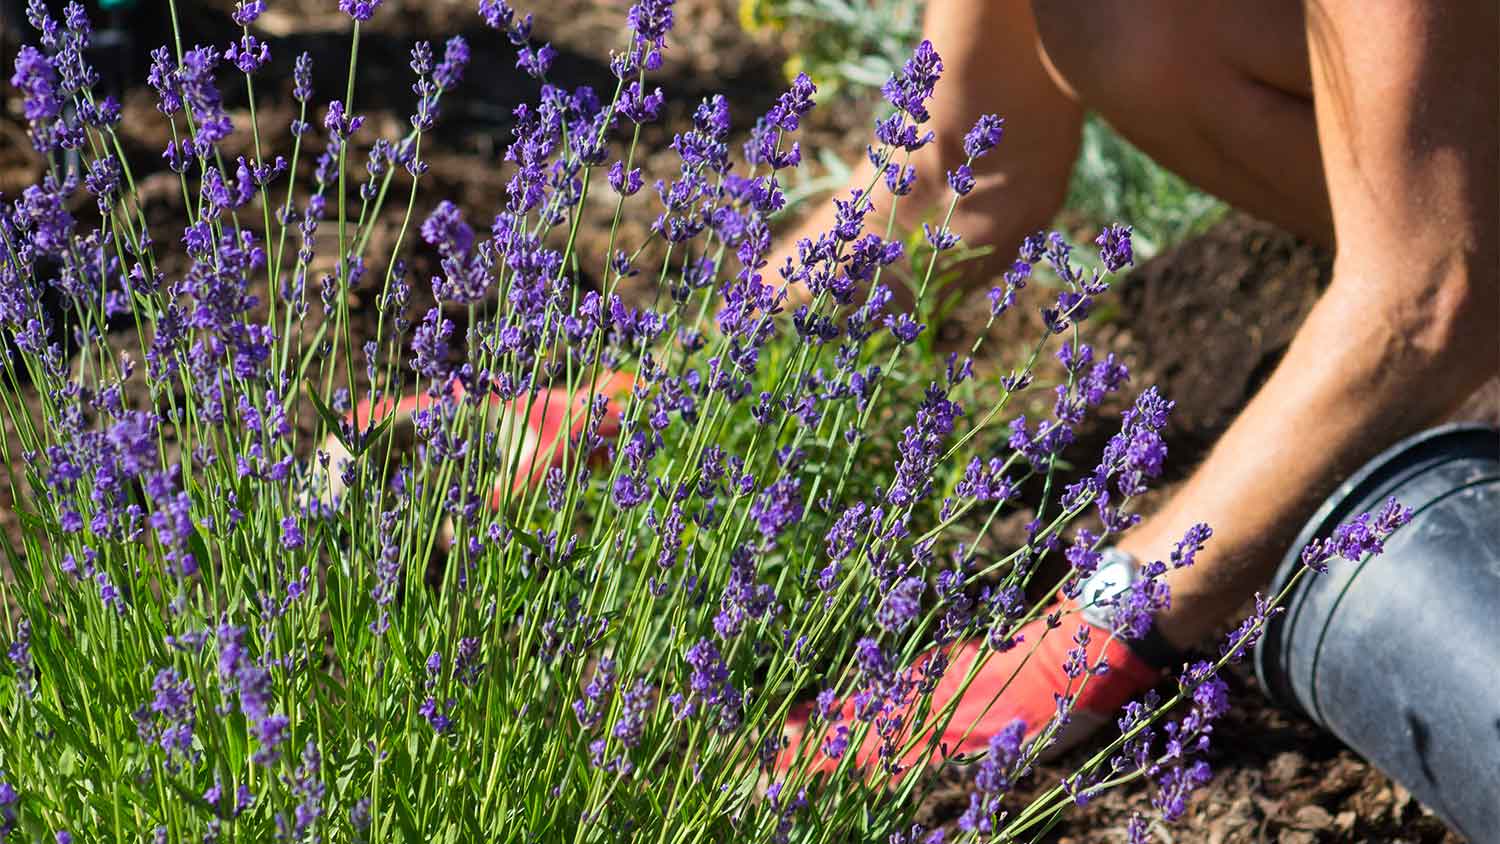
[(1368, 126)]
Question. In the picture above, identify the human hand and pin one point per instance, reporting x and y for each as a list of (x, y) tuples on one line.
[(1023, 683)]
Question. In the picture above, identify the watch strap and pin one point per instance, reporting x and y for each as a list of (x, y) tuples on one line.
[(1116, 573)]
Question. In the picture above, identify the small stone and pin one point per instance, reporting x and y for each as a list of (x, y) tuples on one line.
[(1313, 817)]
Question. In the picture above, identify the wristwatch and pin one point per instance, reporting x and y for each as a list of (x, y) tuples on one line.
[(1117, 572)]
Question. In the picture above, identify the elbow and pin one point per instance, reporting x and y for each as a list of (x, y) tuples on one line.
[(1449, 325)]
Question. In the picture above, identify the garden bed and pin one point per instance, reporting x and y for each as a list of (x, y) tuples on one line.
[(1207, 321)]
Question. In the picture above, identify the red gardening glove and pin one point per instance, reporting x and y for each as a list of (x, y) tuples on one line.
[(1030, 697), (541, 447)]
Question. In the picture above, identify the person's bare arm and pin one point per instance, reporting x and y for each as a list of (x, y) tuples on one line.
[(1406, 100)]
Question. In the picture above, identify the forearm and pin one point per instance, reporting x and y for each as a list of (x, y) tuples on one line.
[(1356, 378)]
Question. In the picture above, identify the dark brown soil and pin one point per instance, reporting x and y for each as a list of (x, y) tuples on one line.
[(1206, 321), (1278, 778)]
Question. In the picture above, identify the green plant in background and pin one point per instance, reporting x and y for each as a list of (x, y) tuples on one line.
[(1112, 180), (852, 46), (841, 44)]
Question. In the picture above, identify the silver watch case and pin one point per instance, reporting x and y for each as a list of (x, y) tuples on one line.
[(1117, 572)]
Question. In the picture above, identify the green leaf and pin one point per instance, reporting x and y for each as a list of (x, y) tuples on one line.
[(375, 433), (237, 743), (74, 739), (405, 818), (189, 796), (526, 539), (331, 419), (36, 524), (198, 546), (577, 553)]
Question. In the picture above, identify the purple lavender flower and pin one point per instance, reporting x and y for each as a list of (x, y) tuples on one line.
[(640, 106), (169, 719), (246, 11), (940, 237), (1363, 535), (19, 654), (360, 819), (914, 835), (340, 125), (251, 683), (1114, 248), (591, 707), (438, 717), (777, 508), (1077, 660), (961, 180), (1191, 543), (904, 328), (308, 790), (1175, 786), (445, 229), (291, 534), (786, 811), (650, 21), (497, 14), (709, 686), (37, 80), (795, 102), (1240, 640), (387, 571), (764, 144), (625, 183), (248, 54), (302, 89), (984, 136), (985, 481), (450, 71), (705, 145), (909, 88), (8, 800), (270, 732), (1138, 451), (920, 447), (899, 179), (636, 703), (744, 597), (901, 605), (194, 85), (994, 779), (161, 76), (535, 62), (359, 10), (1134, 608), (430, 346), (468, 662)]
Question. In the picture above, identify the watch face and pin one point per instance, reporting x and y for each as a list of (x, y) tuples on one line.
[(1113, 576)]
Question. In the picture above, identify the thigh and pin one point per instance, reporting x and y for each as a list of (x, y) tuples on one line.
[(1217, 91)]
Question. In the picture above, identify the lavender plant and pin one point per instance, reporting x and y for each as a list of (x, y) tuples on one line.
[(237, 609)]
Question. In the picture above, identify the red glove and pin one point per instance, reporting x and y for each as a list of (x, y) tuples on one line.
[(540, 446), (1031, 696)]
